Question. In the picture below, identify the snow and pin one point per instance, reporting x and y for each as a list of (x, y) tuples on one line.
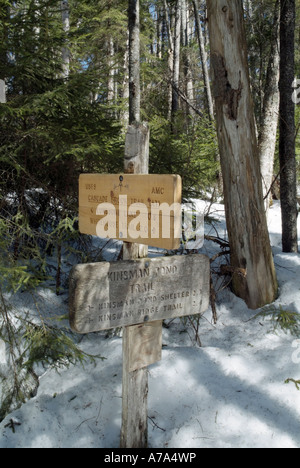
[(230, 393)]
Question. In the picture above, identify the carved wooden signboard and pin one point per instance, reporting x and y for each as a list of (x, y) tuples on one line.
[(120, 204), (110, 295), (136, 293)]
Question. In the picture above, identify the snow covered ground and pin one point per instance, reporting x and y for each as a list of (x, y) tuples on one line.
[(230, 393)]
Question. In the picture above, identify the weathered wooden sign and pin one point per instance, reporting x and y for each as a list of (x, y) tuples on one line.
[(110, 295), (144, 209)]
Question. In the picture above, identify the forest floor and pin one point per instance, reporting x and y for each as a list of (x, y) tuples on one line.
[(229, 393)]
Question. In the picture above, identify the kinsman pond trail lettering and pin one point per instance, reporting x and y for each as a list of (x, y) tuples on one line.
[(108, 295)]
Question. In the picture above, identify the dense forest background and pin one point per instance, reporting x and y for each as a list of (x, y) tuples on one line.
[(65, 65), (64, 111)]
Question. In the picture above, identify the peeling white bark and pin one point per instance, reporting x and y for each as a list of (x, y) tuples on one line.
[(254, 277), (2, 92)]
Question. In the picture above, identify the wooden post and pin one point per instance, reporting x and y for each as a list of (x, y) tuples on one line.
[(134, 432)]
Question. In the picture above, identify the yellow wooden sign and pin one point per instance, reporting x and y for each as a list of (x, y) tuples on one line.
[(143, 209)]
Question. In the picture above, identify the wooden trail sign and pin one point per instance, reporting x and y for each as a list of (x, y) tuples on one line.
[(110, 295), (142, 201)]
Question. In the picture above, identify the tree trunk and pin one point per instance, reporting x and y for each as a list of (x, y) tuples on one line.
[(124, 117), (111, 71), (66, 27), (288, 180), (254, 277), (268, 130), (2, 92), (176, 66), (134, 61), (4, 16), (170, 58), (203, 56), (159, 29), (189, 85)]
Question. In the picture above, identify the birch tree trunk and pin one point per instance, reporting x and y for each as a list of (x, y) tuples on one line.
[(124, 117), (2, 92), (203, 56), (66, 27), (189, 85), (268, 130), (111, 71), (176, 66), (254, 277), (159, 28), (288, 180), (170, 57)]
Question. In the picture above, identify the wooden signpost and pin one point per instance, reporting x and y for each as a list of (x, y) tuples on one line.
[(137, 293)]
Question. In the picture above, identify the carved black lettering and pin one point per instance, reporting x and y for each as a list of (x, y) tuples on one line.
[(158, 190), (109, 295)]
